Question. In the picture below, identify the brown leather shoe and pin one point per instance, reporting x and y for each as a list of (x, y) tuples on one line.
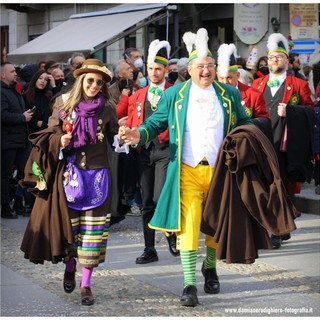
[(86, 296)]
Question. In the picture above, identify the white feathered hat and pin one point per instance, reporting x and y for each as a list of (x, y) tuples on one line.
[(227, 59), (197, 44), (159, 51), (278, 42)]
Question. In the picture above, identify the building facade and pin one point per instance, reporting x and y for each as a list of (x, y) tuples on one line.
[(23, 23)]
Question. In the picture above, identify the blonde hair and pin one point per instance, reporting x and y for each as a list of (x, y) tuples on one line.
[(76, 94)]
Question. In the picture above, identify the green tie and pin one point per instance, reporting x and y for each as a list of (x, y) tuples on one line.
[(155, 90), (273, 83)]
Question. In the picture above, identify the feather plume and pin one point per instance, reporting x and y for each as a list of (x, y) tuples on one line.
[(202, 43), (273, 41), (155, 46), (197, 41), (224, 53), (189, 39)]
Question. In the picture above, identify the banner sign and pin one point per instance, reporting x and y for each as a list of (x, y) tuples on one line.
[(250, 21), (304, 21)]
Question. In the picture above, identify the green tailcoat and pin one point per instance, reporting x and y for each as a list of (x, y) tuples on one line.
[(171, 113)]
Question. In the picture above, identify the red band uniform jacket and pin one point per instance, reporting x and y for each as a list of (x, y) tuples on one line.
[(136, 111), (297, 96), (253, 101)]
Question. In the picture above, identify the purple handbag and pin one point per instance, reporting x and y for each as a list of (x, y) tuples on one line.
[(84, 189)]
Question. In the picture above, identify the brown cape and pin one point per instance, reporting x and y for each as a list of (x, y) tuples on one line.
[(246, 198), (49, 230)]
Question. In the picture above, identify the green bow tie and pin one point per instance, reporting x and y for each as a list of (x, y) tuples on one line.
[(273, 83), (155, 90)]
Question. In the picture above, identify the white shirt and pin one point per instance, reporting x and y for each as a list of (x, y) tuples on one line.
[(204, 126), (150, 95)]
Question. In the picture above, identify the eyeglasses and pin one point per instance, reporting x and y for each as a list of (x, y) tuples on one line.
[(203, 66), (99, 82), (278, 57)]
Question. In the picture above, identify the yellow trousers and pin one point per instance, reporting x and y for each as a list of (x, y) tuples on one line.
[(194, 186)]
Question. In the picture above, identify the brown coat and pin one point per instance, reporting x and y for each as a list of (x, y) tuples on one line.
[(246, 198), (49, 230)]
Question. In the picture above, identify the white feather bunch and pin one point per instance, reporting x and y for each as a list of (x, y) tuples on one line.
[(197, 41), (273, 41), (224, 53), (154, 48), (189, 39), (202, 43)]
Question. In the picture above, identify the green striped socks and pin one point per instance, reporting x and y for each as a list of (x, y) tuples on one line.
[(189, 261), (210, 260)]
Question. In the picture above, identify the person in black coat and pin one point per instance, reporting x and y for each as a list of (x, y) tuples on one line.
[(14, 134), (36, 97)]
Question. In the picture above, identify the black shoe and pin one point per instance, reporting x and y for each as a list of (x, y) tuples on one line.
[(285, 237), (276, 241), (148, 256), (189, 296), (7, 212), (172, 241), (211, 280), (69, 279)]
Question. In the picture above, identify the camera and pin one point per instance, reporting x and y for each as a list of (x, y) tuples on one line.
[(125, 84)]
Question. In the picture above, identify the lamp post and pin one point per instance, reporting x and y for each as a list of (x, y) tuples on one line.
[(275, 24)]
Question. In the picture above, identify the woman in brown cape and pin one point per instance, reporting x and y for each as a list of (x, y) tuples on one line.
[(69, 172)]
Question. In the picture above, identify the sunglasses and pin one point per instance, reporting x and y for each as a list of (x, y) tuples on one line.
[(99, 82)]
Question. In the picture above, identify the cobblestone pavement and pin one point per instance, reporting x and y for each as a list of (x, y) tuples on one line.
[(121, 293)]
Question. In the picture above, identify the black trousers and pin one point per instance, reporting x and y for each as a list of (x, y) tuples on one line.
[(153, 164), (9, 159)]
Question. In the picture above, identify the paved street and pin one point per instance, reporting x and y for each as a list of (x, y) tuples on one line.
[(283, 282)]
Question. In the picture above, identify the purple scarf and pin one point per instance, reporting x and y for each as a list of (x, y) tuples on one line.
[(85, 124)]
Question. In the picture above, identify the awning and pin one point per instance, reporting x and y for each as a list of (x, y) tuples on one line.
[(83, 33)]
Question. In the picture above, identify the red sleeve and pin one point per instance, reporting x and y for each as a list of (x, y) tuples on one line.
[(130, 109), (260, 108), (305, 94), (122, 107)]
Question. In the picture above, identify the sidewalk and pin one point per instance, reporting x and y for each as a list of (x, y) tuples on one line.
[(307, 200), (283, 282)]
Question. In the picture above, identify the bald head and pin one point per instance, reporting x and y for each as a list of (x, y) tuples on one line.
[(123, 70), (57, 74)]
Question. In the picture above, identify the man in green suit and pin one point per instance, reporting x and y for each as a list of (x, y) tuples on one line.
[(199, 113)]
